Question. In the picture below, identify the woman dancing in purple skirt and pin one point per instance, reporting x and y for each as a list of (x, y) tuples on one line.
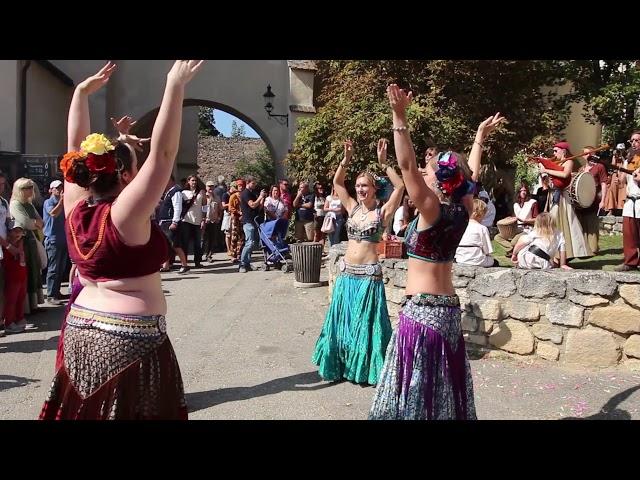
[(426, 373)]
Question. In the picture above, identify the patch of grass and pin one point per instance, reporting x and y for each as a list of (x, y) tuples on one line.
[(610, 255)]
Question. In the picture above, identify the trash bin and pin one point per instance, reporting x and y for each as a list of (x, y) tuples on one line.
[(307, 261)]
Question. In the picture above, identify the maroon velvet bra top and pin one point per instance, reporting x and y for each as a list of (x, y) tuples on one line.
[(98, 251)]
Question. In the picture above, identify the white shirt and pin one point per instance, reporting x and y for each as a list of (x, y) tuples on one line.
[(524, 213), (194, 215), (633, 190), (397, 219), (334, 202), (319, 206), (272, 205), (526, 259), (490, 216), (475, 245)]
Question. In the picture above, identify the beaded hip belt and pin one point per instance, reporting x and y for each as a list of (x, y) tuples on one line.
[(427, 299), (369, 269), (135, 325)]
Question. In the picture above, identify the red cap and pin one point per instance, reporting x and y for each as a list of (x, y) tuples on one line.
[(563, 145)]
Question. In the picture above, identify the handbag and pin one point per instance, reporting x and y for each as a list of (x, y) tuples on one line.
[(328, 225), (42, 254)]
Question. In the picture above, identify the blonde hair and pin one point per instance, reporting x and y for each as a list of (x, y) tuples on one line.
[(545, 226), (370, 177), (19, 187), (479, 209)]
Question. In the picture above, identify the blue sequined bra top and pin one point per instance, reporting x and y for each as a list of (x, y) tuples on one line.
[(439, 242), (369, 232)]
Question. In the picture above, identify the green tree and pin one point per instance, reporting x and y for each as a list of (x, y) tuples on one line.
[(261, 166), (207, 122), (610, 90), (451, 99), (237, 131)]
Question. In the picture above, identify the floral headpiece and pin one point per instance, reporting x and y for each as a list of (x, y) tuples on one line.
[(96, 153), (451, 180)]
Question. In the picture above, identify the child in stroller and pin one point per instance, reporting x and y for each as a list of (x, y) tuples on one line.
[(272, 238)]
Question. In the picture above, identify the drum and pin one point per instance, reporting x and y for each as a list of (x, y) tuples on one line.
[(508, 227), (582, 190)]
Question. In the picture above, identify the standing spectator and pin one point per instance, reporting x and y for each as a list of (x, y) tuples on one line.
[(169, 216), (212, 211), (225, 226), (15, 289), (303, 203), (4, 216), (26, 216), (237, 234), (333, 207), (318, 205), (543, 192), (251, 204), (218, 234), (192, 221), (285, 195), (55, 242), (274, 207)]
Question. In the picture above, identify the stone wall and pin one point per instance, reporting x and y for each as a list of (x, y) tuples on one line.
[(586, 318), (218, 155), (610, 225)]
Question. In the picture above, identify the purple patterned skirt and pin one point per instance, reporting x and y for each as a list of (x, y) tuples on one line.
[(426, 373)]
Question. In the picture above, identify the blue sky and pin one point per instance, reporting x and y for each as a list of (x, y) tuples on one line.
[(223, 124)]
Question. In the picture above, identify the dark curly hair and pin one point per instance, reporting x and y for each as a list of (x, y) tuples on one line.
[(102, 183)]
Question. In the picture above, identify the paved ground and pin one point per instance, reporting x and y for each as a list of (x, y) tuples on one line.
[(244, 342)]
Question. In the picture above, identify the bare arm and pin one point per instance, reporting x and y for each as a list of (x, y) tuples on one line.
[(338, 179), (132, 211), (425, 200), (390, 207), (79, 126), (484, 130), (57, 210)]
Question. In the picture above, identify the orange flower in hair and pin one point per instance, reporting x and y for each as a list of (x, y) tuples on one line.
[(67, 162)]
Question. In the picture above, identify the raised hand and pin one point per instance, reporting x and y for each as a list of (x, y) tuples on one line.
[(399, 99), (348, 151), (487, 126), (123, 126), (97, 81), (184, 70), (382, 152)]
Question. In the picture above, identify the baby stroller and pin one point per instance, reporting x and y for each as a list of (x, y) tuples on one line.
[(276, 251)]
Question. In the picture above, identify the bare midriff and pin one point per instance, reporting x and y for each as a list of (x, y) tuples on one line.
[(361, 253), (128, 296), (429, 277)]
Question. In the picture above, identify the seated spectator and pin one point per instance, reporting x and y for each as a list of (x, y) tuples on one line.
[(526, 210), (536, 249), (490, 216), (475, 246)]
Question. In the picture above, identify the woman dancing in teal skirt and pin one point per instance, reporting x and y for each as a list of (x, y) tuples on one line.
[(356, 330)]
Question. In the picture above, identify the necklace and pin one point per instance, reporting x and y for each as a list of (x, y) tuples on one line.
[(363, 214)]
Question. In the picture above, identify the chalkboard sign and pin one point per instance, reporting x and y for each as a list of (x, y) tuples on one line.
[(42, 169)]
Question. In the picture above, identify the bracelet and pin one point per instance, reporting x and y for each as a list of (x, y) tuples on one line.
[(343, 165), (481, 145), (400, 129)]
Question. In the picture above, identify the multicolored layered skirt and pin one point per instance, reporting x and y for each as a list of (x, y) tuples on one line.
[(356, 329), (119, 367), (426, 374)]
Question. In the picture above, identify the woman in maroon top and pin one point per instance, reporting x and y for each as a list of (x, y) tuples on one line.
[(118, 361), (588, 217)]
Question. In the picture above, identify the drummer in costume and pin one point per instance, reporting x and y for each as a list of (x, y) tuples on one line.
[(589, 216), (560, 206)]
